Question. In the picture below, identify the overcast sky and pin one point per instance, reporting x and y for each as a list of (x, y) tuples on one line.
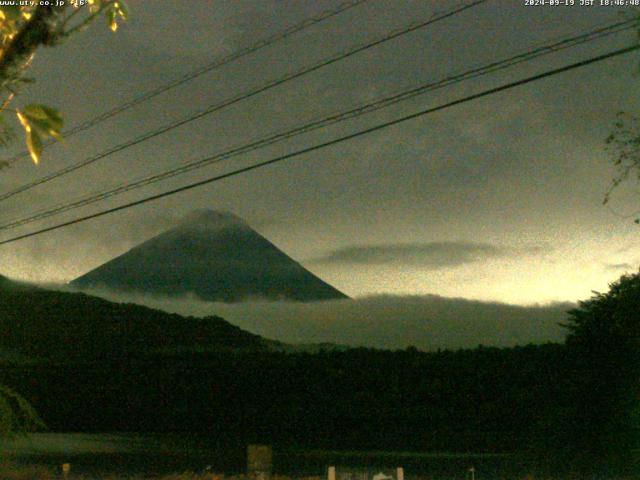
[(497, 199)]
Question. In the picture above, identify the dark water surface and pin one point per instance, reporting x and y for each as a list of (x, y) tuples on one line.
[(131, 454)]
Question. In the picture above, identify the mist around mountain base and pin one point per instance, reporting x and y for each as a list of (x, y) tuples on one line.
[(427, 322)]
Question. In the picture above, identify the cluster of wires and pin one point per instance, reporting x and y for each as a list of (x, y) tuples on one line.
[(280, 136)]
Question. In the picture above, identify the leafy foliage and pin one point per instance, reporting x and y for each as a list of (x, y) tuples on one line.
[(608, 320), (624, 145), (119, 9), (624, 141), (39, 121), (604, 344), (22, 30)]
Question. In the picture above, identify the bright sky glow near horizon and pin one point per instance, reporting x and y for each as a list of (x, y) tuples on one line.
[(497, 199)]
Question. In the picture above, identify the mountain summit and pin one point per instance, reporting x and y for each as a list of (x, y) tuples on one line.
[(215, 255)]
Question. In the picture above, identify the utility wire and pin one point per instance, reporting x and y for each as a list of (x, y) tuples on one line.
[(243, 96), (329, 120), (326, 144), (232, 57)]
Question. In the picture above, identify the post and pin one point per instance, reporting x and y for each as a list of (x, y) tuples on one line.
[(259, 461), (331, 473), (400, 473)]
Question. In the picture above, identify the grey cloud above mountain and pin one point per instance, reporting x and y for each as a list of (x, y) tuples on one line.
[(431, 254)]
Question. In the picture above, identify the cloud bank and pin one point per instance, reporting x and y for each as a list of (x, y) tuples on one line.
[(427, 322), (432, 255), (629, 267)]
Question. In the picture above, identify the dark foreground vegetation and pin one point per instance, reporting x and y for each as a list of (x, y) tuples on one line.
[(571, 408), (13, 472), (50, 474)]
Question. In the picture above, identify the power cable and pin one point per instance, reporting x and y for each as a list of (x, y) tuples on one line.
[(219, 106), (232, 57), (329, 120), (326, 144)]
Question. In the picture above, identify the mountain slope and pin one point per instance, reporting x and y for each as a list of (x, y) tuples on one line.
[(42, 323), (214, 255)]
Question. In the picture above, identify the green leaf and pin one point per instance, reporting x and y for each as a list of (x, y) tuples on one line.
[(34, 144), (111, 19), (11, 12), (95, 6), (39, 121), (41, 112), (45, 119), (122, 9)]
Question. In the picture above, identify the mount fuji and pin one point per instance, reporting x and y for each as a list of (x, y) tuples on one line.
[(215, 256)]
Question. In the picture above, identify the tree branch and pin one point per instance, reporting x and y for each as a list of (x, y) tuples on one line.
[(35, 32)]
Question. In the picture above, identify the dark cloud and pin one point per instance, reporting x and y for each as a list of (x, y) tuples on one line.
[(428, 322), (621, 266), (432, 254)]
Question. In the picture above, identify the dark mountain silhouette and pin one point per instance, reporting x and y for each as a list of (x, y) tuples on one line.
[(214, 255), (40, 323)]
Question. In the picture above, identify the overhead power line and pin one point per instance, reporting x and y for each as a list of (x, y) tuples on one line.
[(232, 57), (326, 144), (243, 96), (493, 67)]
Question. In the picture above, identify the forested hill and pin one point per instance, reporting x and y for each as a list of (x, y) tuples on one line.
[(130, 368), (45, 324)]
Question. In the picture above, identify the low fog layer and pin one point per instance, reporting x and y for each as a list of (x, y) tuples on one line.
[(383, 321)]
